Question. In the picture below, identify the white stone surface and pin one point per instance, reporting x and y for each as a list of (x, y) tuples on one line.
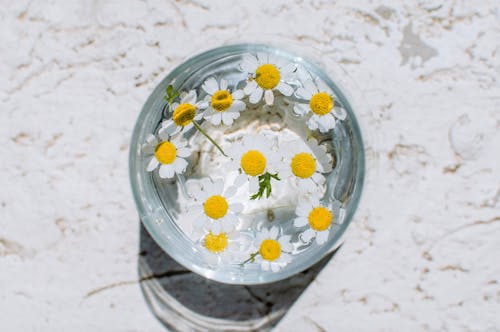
[(424, 250)]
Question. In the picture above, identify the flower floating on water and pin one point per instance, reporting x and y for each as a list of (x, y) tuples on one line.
[(317, 216), (322, 106), (267, 74), (224, 106), (273, 251), (304, 163), (258, 162), (215, 213), (168, 153), (186, 114), (219, 247)]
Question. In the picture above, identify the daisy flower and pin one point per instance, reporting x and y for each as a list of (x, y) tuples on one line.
[(184, 113), (219, 247), (212, 210), (258, 163), (224, 106), (273, 250), (167, 153), (305, 164), (317, 217), (321, 106), (267, 74)]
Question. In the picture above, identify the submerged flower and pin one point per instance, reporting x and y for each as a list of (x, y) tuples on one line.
[(304, 163), (219, 247), (322, 108), (168, 153), (213, 209), (184, 113), (317, 217), (258, 162), (267, 74), (224, 106), (273, 250)]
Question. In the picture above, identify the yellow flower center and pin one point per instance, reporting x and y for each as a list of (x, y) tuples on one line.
[(321, 103), (215, 243), (320, 218), (267, 76), (215, 207), (253, 163), (165, 152), (303, 165), (221, 100), (270, 250), (184, 114)]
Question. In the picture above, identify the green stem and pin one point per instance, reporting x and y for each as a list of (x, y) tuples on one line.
[(251, 259), (209, 138)]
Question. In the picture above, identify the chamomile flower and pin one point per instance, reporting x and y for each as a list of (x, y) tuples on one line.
[(273, 250), (184, 113), (224, 106), (322, 108), (255, 157), (317, 217), (305, 163), (167, 153), (214, 210), (219, 247), (266, 75)]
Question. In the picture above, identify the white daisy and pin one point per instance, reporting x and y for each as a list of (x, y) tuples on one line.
[(224, 106), (219, 248), (166, 152), (305, 163), (274, 251), (322, 107), (213, 210), (184, 113), (318, 217), (267, 74), (254, 156)]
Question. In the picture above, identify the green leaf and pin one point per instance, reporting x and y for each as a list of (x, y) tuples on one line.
[(265, 185)]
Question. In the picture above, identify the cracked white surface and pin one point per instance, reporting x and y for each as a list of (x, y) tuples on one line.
[(423, 251)]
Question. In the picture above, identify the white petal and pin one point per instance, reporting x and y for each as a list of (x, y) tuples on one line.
[(153, 163), (307, 235), (227, 118), (239, 105), (211, 259), (303, 208), (273, 233), (202, 104), (167, 171), (238, 94), (180, 165), (216, 119), (250, 87), (312, 123), (265, 233), (240, 180), (256, 95), (326, 122), (223, 84), (303, 93), (230, 191), (262, 57), (210, 86), (275, 267), (269, 97), (249, 63), (228, 224), (200, 221), (300, 221), (300, 109), (310, 87), (217, 187), (265, 265), (285, 89), (254, 184), (183, 152), (236, 207), (190, 98), (216, 227), (339, 113), (321, 237), (167, 130)]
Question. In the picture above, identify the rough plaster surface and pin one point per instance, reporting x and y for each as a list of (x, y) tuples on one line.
[(424, 250)]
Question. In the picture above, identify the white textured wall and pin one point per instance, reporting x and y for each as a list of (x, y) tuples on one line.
[(424, 251)]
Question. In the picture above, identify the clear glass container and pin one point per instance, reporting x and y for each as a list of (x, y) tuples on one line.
[(161, 202)]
